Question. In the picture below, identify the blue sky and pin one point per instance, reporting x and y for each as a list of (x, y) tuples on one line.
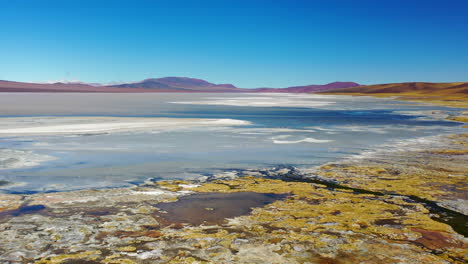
[(255, 43)]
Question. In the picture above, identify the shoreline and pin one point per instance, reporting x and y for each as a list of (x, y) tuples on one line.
[(387, 218), (448, 101)]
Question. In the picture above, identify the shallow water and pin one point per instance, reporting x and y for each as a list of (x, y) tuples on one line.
[(27, 209), (265, 130), (214, 208)]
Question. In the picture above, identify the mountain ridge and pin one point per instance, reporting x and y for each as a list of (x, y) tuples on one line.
[(310, 88), (178, 83), (414, 88), (164, 84), (453, 94)]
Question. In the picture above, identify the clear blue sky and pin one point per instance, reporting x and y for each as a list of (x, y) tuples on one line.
[(251, 43)]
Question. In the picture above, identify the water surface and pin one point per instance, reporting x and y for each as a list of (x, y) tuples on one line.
[(274, 130)]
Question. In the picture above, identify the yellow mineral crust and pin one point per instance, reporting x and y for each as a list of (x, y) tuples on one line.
[(434, 174), (314, 217), (10, 201), (171, 185), (119, 261), (310, 224), (87, 255), (259, 185), (462, 119), (127, 249)]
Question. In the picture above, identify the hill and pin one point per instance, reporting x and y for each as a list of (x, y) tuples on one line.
[(154, 85), (18, 87), (309, 88), (450, 94), (181, 84)]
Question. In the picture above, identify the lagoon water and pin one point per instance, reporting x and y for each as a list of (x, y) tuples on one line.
[(56, 142)]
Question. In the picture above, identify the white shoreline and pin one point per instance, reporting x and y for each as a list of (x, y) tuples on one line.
[(21, 126), (265, 100)]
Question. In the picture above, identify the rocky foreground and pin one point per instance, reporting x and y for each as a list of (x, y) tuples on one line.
[(404, 206)]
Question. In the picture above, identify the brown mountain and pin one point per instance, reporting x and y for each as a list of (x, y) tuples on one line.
[(166, 84), (309, 88), (9, 86), (448, 94), (181, 84), (410, 88)]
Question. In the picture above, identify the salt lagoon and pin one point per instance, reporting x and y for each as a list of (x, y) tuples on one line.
[(113, 140)]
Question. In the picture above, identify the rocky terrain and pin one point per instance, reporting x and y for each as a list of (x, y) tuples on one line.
[(403, 207)]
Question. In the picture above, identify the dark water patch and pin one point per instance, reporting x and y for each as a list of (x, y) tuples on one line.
[(458, 221), (29, 192), (26, 209), (136, 182), (303, 117), (22, 192), (214, 208), (2, 182)]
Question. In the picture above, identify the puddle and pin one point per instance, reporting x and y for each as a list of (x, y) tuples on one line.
[(28, 209), (214, 208)]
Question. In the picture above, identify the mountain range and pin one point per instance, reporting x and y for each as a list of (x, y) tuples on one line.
[(409, 88), (166, 84), (192, 85), (453, 94)]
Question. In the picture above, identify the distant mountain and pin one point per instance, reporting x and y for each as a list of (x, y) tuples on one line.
[(166, 84), (445, 94), (309, 88), (409, 88), (9, 86), (181, 84)]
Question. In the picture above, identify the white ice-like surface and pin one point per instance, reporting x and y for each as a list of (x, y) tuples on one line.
[(19, 126), (265, 100), (305, 140), (13, 159)]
